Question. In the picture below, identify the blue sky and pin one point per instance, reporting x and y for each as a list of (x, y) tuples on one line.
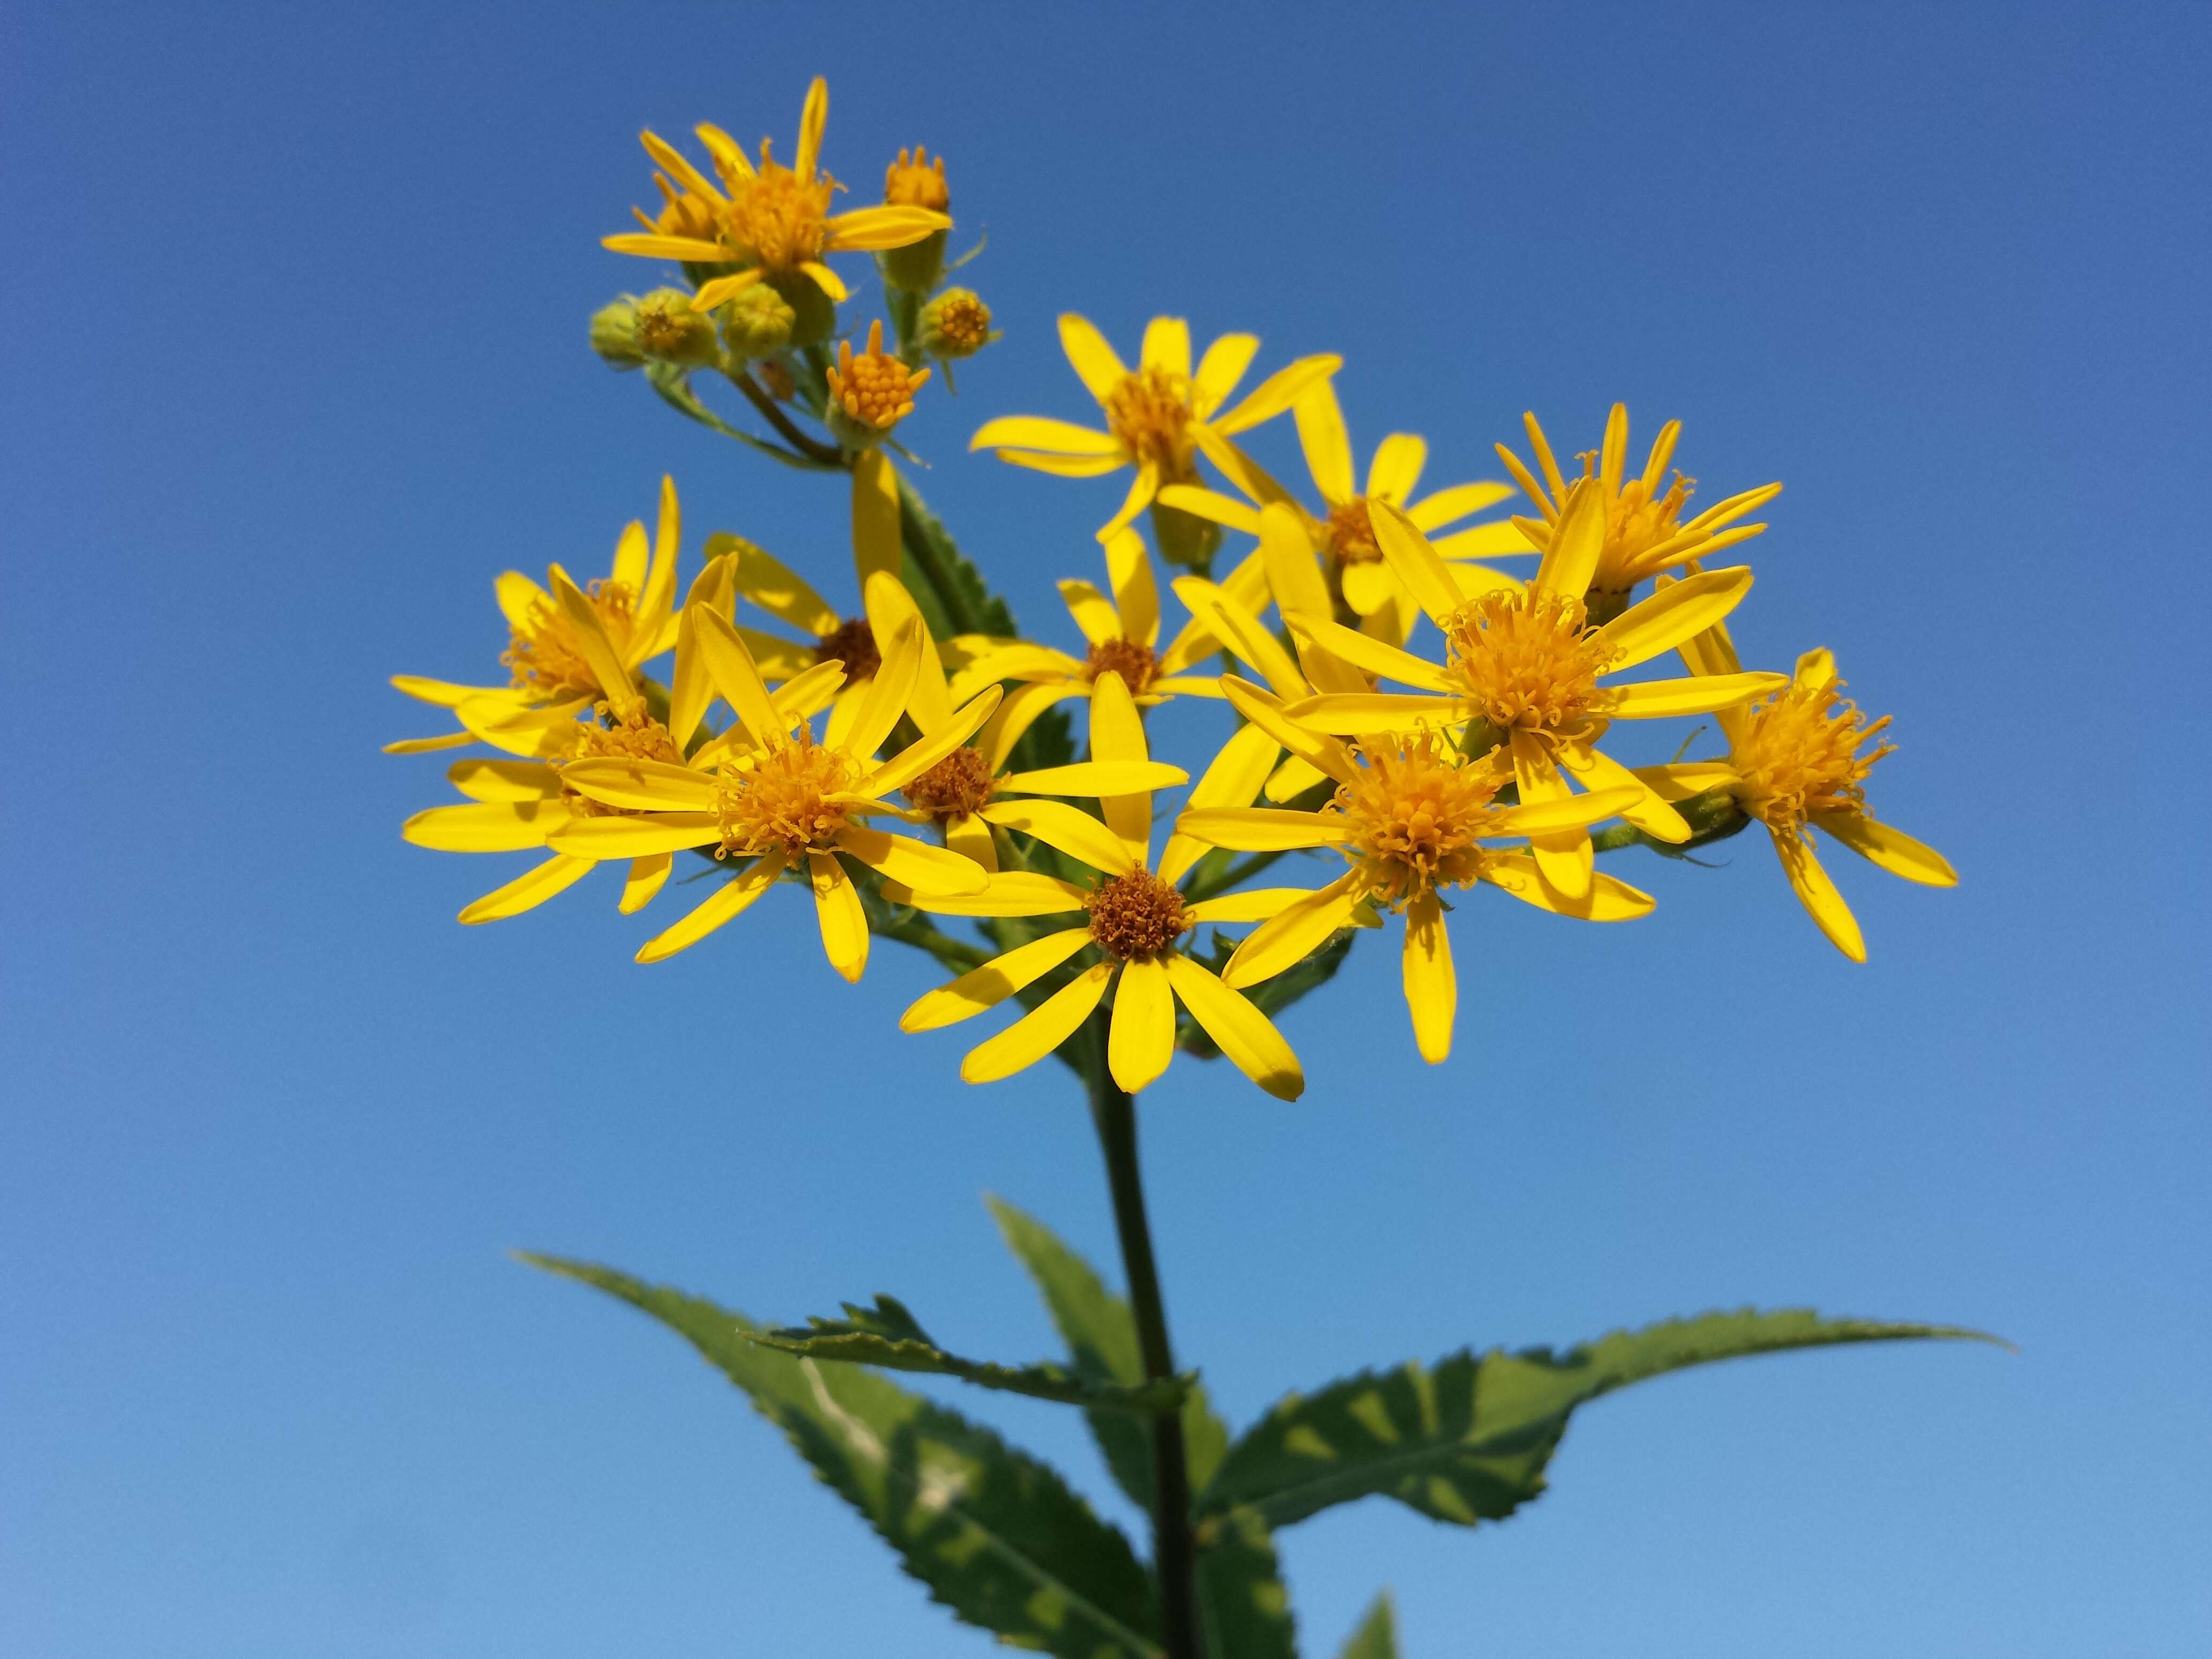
[(295, 307)]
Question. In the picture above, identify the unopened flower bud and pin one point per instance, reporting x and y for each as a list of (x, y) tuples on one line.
[(614, 334), (955, 325), (756, 322), (870, 393), (670, 331), (915, 180)]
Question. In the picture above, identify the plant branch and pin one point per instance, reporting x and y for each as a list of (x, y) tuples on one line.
[(814, 449)]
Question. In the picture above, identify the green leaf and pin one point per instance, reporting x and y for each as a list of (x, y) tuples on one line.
[(1102, 1343), (962, 601), (995, 1535), (1246, 1606), (1377, 1635), (1467, 1439), (887, 1335)]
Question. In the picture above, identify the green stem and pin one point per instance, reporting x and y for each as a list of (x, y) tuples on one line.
[(1174, 1552), (820, 454)]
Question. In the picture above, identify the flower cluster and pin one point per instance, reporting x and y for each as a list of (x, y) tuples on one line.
[(1404, 704)]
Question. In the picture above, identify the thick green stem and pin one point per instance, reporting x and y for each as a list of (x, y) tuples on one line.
[(1174, 1549)]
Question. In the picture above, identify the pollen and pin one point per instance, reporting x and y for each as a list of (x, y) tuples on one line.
[(541, 655), (1352, 534), (853, 644), (1527, 663), (875, 388), (1799, 755), (1138, 665), (916, 181), (956, 787), (1149, 411), (780, 799), (625, 732), (1413, 815), (774, 218), (1136, 916)]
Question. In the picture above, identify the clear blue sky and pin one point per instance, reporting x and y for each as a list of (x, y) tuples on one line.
[(295, 360)]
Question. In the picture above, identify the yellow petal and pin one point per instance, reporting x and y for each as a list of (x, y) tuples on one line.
[(1231, 780), (1093, 611), (1431, 988), (1278, 392), (1448, 505), (1142, 488), (813, 116), (633, 557), (1271, 716), (1577, 540), (871, 229), (875, 516), (730, 666), (636, 838), (988, 986), (1636, 800), (1293, 779), (548, 733), (1242, 634), (1167, 346), (657, 598), (1384, 660), (1060, 825), (1294, 932), (1483, 541), (1140, 1041), (1093, 360), (652, 245), (646, 877), (733, 896), (916, 866), (430, 745), (642, 786), (837, 909), (889, 691), (1542, 818), (1818, 893), (1607, 900), (1136, 595), (1683, 779), (591, 642), (970, 837), (716, 290), (1251, 904), (528, 891), (918, 756), (1395, 471), (775, 588), (1008, 893), (1293, 573), (509, 781), (1356, 712), (1888, 849), (1700, 694), (1260, 829), (483, 826), (1094, 778), (1051, 437), (1677, 612), (1066, 466), (1117, 733), (1415, 562), (677, 166), (1565, 856), (1815, 669), (1211, 505), (440, 694), (1327, 445), (1018, 714), (1218, 371), (1040, 1031), (1248, 1037)]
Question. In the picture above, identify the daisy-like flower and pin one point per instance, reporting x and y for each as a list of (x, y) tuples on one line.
[(569, 646), (1797, 761), (1342, 535), (1521, 670), (1409, 816), (768, 791), (960, 793), (1159, 415), (1134, 918), (1644, 529), (769, 222), (1124, 635)]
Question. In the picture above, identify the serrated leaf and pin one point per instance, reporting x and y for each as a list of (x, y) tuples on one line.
[(966, 605), (887, 1335), (1377, 1635), (1246, 1606), (1102, 1344), (994, 1534), (1467, 1439)]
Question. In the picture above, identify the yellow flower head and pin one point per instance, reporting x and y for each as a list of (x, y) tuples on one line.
[(875, 390), (1798, 753), (916, 181), (1160, 415), (1644, 529), (767, 219)]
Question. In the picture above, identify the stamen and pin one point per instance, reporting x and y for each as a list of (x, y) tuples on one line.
[(875, 389), (625, 732), (853, 644), (917, 182), (956, 787), (541, 655), (1149, 413), (1527, 662), (775, 798), (1412, 813), (1798, 755), (773, 219), (1136, 916)]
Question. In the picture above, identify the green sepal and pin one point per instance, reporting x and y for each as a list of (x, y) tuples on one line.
[(889, 1336), (1467, 1439), (994, 1534), (1377, 1635)]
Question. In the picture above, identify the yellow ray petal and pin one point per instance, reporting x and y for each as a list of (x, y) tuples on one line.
[(806, 693), (1058, 825), (1142, 489), (1094, 778), (1136, 596), (1887, 848), (1093, 611), (875, 517), (1117, 733), (1092, 359), (1231, 780), (1431, 988), (837, 910), (1565, 855), (1238, 1028), (1167, 346), (1415, 562), (775, 588), (508, 780), (889, 607), (642, 786), (1612, 454), (440, 694), (1066, 466), (1327, 445), (813, 116), (1677, 612), (1251, 904), (636, 838), (1271, 716), (1040, 1031), (1682, 779), (1294, 932), (730, 666), (1260, 829), (970, 837), (528, 891), (430, 745), (1051, 437), (653, 246), (1293, 574), (1570, 811), (1395, 471), (1815, 669), (1211, 505), (925, 752), (988, 986), (1607, 900), (591, 641), (1485, 541), (633, 557), (871, 229), (1241, 633), (1386, 661), (1370, 586), (1140, 1041), (1818, 893), (483, 826), (1246, 585), (889, 692), (729, 159), (1239, 468), (1355, 711), (646, 877), (716, 290), (1644, 807), (548, 733), (657, 598), (1219, 370), (734, 896), (677, 166), (1293, 779), (1018, 714), (1278, 392), (1577, 540), (1008, 893), (1448, 505), (1700, 694)]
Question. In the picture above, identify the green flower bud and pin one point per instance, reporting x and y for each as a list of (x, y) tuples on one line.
[(814, 313), (756, 322), (1185, 538), (614, 334), (955, 325), (670, 331)]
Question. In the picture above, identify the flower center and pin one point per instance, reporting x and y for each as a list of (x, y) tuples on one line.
[(1352, 533), (1136, 916), (1150, 412), (774, 218), (777, 798), (1636, 521), (1526, 661), (1139, 665), (917, 182), (964, 322), (853, 644), (542, 656), (955, 787), (625, 732), (1412, 813), (1799, 755), (875, 388)]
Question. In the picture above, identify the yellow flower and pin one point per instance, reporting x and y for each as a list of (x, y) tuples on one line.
[(1124, 634), (1134, 917), (875, 391), (1409, 816), (767, 790), (1522, 670), (1343, 533), (1644, 532), (1159, 415), (769, 221), (1797, 761), (572, 646), (962, 792)]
